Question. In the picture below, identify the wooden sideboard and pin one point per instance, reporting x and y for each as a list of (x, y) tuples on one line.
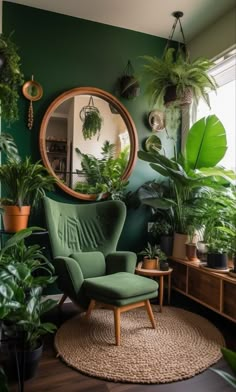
[(215, 290)]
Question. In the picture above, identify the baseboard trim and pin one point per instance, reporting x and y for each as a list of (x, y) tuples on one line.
[(56, 297)]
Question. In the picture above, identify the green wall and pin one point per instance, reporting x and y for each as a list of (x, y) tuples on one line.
[(64, 52)]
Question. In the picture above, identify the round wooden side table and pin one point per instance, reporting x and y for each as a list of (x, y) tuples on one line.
[(154, 273)]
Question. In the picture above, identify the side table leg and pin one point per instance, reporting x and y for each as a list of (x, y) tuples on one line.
[(169, 288), (161, 292)]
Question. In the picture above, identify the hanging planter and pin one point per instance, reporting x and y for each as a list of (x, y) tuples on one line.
[(174, 79), (92, 120), (128, 84)]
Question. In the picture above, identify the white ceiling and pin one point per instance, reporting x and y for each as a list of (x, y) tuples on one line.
[(147, 16)]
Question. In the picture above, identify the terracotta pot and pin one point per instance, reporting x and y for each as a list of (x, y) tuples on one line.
[(15, 218), (179, 250), (191, 252), (150, 263)]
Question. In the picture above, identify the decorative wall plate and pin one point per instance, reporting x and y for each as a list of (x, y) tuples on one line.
[(156, 120), (153, 141)]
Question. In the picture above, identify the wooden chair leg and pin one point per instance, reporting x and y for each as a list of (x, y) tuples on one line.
[(150, 313), (62, 300), (117, 325), (90, 308)]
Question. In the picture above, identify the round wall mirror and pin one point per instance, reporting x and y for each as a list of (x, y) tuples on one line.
[(87, 137)]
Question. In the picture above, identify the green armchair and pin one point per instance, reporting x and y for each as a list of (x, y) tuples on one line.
[(90, 271)]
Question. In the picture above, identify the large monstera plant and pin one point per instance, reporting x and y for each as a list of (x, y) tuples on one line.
[(192, 172)]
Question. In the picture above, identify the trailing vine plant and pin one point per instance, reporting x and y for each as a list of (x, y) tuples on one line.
[(11, 78)]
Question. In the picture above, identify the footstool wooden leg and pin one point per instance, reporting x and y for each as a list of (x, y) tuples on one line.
[(90, 308), (150, 313), (117, 325)]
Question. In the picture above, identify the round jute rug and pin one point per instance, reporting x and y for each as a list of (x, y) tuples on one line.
[(182, 345)]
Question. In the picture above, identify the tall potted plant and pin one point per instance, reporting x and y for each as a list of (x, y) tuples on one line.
[(192, 172), (24, 272), (23, 183)]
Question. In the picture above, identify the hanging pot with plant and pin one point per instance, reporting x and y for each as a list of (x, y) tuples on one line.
[(174, 78), (128, 84), (92, 120)]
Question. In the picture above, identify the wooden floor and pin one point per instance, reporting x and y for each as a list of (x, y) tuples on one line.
[(55, 376)]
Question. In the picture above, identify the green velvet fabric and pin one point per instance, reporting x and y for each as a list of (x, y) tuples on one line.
[(121, 261), (92, 264), (84, 227), (83, 240), (121, 285)]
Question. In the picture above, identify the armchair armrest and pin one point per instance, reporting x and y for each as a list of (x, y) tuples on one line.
[(121, 262), (70, 277)]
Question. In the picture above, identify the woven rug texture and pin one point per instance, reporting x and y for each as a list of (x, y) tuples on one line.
[(182, 345)]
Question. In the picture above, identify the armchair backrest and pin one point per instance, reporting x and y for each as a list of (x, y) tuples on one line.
[(84, 227)]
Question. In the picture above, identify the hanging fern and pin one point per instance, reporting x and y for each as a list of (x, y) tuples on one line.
[(92, 124)]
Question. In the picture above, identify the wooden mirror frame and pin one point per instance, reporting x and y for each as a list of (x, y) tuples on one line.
[(118, 106)]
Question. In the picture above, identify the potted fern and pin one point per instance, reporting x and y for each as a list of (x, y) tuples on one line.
[(23, 183), (11, 78), (151, 259), (175, 79)]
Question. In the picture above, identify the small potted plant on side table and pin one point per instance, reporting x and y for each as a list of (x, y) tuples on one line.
[(151, 259)]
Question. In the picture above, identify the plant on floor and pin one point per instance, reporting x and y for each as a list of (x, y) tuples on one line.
[(11, 78), (230, 357), (175, 78), (24, 272), (3, 381)]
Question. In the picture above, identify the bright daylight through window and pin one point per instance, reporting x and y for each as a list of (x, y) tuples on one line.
[(223, 103)]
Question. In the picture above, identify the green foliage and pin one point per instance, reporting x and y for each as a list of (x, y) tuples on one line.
[(24, 182), (11, 79), (24, 272), (92, 124), (230, 357), (153, 251), (104, 175), (3, 381), (174, 69), (8, 146), (188, 179)]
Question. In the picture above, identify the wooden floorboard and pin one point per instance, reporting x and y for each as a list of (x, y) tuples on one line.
[(55, 376)]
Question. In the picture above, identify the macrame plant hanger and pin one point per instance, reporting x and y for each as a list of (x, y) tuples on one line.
[(177, 15)]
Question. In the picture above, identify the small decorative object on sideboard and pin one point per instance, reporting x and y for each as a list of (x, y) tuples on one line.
[(191, 246)]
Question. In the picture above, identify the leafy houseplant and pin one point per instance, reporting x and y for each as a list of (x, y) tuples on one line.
[(172, 76), (11, 78), (92, 124), (24, 272), (24, 183), (230, 357), (150, 253), (192, 172), (104, 176)]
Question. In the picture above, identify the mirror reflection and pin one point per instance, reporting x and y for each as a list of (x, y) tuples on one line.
[(88, 140)]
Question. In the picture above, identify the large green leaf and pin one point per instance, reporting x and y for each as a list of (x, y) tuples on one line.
[(206, 143)]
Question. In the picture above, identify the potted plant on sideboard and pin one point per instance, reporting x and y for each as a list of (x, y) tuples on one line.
[(23, 184), (24, 272)]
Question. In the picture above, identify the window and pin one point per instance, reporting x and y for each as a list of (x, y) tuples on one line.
[(223, 103)]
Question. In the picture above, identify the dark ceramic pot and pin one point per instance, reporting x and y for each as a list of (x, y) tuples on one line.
[(217, 260), (25, 360), (166, 244)]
